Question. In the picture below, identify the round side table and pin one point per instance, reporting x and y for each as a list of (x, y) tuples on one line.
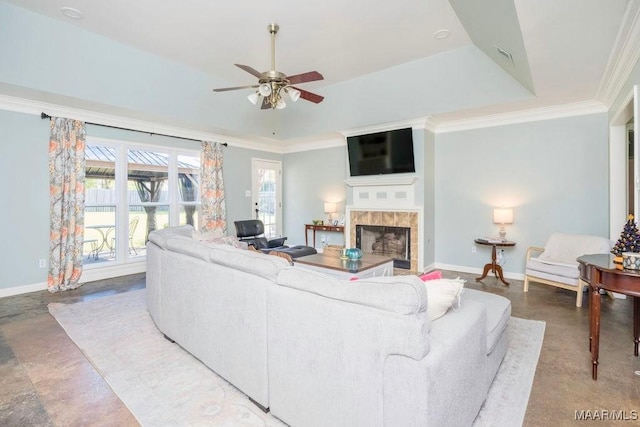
[(493, 266)]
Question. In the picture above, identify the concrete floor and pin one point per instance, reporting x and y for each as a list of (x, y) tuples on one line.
[(45, 379)]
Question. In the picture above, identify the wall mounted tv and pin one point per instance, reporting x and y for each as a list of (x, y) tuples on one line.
[(381, 153)]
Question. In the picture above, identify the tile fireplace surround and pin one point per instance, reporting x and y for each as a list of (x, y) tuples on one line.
[(389, 219)]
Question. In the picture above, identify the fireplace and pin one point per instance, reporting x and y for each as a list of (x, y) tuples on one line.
[(393, 242), (392, 200), (405, 218)]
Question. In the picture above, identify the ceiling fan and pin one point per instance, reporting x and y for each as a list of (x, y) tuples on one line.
[(273, 85)]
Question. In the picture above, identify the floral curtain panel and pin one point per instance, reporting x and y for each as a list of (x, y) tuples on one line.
[(66, 195), (213, 207)]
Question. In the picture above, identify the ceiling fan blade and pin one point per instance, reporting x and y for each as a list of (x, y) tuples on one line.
[(249, 70), (311, 76), (265, 104), (310, 96), (225, 89)]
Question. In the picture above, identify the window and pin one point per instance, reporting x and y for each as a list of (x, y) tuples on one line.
[(188, 189), (131, 191), (100, 202)]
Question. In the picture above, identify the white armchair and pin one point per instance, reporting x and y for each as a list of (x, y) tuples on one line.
[(556, 263)]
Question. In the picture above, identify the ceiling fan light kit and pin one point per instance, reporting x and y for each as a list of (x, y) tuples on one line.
[(253, 98), (294, 94), (264, 89), (273, 85)]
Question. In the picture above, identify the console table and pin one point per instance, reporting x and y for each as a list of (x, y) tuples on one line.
[(330, 228), (600, 272), (493, 266)]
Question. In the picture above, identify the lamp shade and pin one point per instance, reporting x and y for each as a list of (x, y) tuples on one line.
[(329, 207), (503, 216)]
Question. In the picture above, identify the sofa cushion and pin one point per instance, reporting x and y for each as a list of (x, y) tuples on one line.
[(565, 248), (537, 274), (252, 262), (442, 294), (498, 313), (226, 240), (160, 237), (554, 269), (188, 246), (398, 294), (202, 236)]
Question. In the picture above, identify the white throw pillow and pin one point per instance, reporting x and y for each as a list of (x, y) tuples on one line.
[(441, 295)]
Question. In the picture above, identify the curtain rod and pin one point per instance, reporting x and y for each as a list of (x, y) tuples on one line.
[(46, 116)]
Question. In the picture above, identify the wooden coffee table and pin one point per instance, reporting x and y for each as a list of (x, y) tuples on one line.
[(367, 266)]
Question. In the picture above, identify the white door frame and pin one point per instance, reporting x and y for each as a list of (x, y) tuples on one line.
[(267, 164), (618, 156)]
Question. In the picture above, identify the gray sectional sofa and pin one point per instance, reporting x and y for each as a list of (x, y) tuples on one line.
[(320, 351)]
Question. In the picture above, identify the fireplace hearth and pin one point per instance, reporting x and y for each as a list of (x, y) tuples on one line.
[(393, 242)]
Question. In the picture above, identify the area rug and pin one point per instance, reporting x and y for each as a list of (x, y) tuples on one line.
[(162, 384)]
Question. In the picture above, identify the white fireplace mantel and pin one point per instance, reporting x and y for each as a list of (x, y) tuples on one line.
[(392, 194), (381, 180)]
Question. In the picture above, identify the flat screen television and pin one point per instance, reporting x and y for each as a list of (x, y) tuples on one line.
[(381, 153)]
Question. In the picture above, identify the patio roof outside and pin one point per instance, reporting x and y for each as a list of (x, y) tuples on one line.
[(143, 165)]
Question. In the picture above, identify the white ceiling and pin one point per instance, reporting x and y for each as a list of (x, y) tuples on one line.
[(562, 49)]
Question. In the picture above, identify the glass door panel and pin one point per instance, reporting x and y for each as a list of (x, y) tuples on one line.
[(267, 195)]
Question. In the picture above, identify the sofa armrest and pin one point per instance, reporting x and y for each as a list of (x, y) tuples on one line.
[(447, 387)]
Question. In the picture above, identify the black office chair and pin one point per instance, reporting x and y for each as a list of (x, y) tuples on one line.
[(251, 231)]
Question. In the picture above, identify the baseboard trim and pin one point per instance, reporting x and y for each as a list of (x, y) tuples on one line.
[(108, 272), (26, 289), (88, 275), (478, 271)]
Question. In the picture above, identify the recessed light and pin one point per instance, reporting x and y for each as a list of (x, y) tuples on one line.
[(441, 34), (72, 13)]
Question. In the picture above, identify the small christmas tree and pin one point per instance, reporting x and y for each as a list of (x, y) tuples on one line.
[(629, 240)]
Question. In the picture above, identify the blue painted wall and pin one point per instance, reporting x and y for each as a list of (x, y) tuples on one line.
[(554, 173)]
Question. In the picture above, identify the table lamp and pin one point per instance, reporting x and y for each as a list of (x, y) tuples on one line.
[(329, 209), (503, 216)]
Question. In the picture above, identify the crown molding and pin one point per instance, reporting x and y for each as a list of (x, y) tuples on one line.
[(27, 106), (412, 123), (522, 116), (624, 56), (429, 123)]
